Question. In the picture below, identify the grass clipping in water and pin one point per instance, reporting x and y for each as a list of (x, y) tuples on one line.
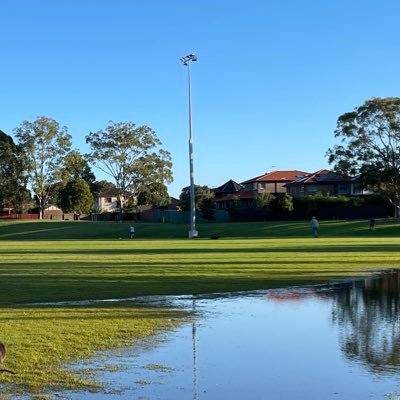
[(40, 341)]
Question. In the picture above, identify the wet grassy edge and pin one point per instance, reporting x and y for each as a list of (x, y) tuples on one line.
[(41, 340)]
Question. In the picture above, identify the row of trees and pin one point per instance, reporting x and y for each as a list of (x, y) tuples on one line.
[(43, 161)]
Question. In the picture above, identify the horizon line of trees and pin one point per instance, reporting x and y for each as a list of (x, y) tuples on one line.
[(42, 169), (133, 158)]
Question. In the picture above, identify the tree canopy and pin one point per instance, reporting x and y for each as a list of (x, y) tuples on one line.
[(76, 197), (44, 144), (13, 192), (131, 155), (155, 194), (370, 146), (201, 193), (76, 166)]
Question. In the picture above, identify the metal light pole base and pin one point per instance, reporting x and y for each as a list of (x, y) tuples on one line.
[(193, 234)]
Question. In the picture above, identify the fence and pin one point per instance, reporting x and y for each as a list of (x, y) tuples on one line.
[(19, 216)]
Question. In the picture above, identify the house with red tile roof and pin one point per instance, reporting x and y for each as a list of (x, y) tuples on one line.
[(325, 182), (272, 182), (231, 193)]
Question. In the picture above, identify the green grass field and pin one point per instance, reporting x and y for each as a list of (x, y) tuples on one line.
[(57, 261)]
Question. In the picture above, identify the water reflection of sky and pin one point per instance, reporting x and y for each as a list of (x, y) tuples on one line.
[(337, 342)]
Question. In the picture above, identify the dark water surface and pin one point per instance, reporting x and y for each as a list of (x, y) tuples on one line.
[(340, 341)]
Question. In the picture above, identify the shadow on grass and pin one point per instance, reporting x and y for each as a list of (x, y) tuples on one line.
[(88, 230)]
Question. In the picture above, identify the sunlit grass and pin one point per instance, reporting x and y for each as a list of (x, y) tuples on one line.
[(44, 271)]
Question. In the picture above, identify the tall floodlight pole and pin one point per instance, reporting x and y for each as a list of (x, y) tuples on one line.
[(193, 232)]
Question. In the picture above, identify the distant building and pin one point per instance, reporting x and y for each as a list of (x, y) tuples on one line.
[(233, 194), (107, 201), (327, 183), (226, 194), (272, 182)]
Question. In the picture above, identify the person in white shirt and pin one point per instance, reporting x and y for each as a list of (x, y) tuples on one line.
[(314, 226)]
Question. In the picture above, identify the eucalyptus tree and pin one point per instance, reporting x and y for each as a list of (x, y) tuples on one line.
[(45, 143), (370, 147), (131, 156), (13, 192)]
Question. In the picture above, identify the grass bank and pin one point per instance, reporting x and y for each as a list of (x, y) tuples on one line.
[(41, 340)]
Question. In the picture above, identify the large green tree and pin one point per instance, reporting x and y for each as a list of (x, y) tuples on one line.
[(131, 155), (77, 166), (45, 144), (201, 193), (155, 194), (76, 197), (370, 147), (13, 192)]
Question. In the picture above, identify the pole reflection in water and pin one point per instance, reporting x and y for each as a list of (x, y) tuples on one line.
[(194, 340)]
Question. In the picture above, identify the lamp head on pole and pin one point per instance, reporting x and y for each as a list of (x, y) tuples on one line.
[(190, 57)]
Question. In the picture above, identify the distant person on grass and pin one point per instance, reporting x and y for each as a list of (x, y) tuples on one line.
[(132, 231), (372, 224), (314, 226)]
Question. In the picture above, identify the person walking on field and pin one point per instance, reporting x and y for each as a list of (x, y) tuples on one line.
[(372, 224), (314, 226)]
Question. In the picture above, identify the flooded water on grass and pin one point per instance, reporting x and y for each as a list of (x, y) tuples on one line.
[(340, 341)]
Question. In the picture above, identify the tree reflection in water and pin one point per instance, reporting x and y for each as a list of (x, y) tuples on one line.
[(367, 314)]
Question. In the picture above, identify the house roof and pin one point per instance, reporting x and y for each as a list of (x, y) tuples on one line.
[(228, 187), (277, 176), (240, 195), (321, 176), (246, 194)]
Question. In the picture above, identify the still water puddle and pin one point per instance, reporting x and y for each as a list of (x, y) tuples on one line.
[(340, 341)]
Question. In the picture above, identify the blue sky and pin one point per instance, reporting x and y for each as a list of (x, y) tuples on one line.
[(271, 78)]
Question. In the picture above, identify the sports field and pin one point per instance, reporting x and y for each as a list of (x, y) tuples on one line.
[(58, 261)]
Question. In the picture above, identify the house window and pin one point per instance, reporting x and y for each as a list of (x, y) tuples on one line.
[(343, 189), (312, 188), (109, 199), (261, 186)]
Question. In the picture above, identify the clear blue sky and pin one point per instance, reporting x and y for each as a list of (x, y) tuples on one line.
[(271, 79)]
